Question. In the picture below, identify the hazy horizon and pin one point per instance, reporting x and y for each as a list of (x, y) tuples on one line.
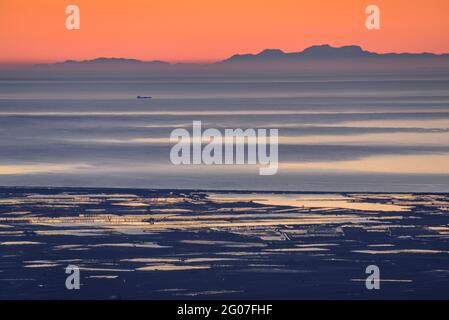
[(213, 61)]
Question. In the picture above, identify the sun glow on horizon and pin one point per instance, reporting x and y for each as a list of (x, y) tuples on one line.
[(205, 31)]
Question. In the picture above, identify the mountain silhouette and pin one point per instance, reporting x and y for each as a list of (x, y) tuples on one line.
[(318, 52), (105, 61), (321, 52)]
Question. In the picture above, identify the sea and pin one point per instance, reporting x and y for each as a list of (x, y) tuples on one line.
[(370, 133)]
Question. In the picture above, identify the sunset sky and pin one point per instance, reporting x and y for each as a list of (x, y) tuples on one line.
[(208, 30)]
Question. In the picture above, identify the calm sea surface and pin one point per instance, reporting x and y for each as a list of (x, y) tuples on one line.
[(336, 134)]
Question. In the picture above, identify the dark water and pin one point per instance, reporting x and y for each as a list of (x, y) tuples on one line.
[(148, 244)]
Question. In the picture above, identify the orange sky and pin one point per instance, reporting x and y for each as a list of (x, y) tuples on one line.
[(207, 30)]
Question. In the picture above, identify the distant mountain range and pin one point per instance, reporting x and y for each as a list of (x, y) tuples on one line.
[(114, 61), (324, 52), (320, 52), (322, 58)]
